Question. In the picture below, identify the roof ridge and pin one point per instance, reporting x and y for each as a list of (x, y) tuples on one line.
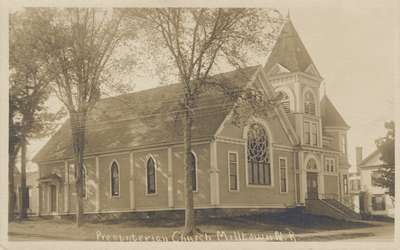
[(173, 84), (372, 154), (139, 125)]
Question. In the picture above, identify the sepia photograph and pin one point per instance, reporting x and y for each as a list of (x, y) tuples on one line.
[(138, 124)]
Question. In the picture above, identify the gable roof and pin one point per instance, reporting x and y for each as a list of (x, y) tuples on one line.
[(146, 118), (372, 159), (330, 116), (289, 51)]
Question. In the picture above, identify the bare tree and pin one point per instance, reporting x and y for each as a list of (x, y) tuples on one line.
[(198, 39), (28, 93), (79, 44)]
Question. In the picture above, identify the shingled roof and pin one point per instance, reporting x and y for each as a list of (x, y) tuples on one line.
[(372, 160), (289, 51), (145, 118), (330, 116)]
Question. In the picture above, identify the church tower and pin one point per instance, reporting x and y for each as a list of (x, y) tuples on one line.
[(293, 74)]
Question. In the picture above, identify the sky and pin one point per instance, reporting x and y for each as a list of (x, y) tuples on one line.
[(353, 45)]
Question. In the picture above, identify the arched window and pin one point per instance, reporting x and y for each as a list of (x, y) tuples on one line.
[(84, 176), (194, 171), (285, 101), (309, 103), (114, 179), (258, 158), (151, 176), (312, 164)]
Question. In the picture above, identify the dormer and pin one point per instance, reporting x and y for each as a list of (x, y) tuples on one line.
[(277, 70), (312, 71)]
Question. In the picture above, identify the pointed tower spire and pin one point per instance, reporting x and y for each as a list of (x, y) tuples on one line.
[(288, 14), (324, 88)]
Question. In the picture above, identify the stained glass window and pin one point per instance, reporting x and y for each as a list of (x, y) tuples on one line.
[(259, 167)]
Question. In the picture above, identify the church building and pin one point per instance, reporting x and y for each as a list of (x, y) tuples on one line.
[(134, 146)]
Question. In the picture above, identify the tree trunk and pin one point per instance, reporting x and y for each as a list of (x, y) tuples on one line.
[(11, 191), (23, 196), (187, 135), (78, 126)]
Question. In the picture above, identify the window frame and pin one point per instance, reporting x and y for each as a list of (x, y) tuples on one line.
[(308, 103), (111, 179), (345, 184), (84, 176), (330, 162), (312, 126), (237, 172), (196, 172), (374, 204), (155, 176), (343, 143), (307, 135), (316, 167), (270, 152), (286, 175), (28, 196), (285, 102)]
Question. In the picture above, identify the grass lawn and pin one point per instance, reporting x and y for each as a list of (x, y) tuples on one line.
[(244, 227)]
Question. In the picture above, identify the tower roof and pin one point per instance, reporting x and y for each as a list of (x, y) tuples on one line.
[(289, 51), (330, 116)]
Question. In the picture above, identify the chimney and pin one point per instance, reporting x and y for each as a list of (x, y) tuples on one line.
[(359, 156)]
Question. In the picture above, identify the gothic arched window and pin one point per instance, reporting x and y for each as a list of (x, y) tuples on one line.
[(258, 158), (84, 177), (194, 171), (151, 176), (285, 101), (309, 103), (114, 179)]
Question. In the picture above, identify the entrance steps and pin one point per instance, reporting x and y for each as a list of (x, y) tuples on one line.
[(331, 208)]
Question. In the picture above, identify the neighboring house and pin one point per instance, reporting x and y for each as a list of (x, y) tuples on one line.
[(134, 151), (368, 197), (355, 188), (32, 186)]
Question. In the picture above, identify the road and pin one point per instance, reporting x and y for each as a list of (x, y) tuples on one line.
[(379, 232), (385, 233)]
